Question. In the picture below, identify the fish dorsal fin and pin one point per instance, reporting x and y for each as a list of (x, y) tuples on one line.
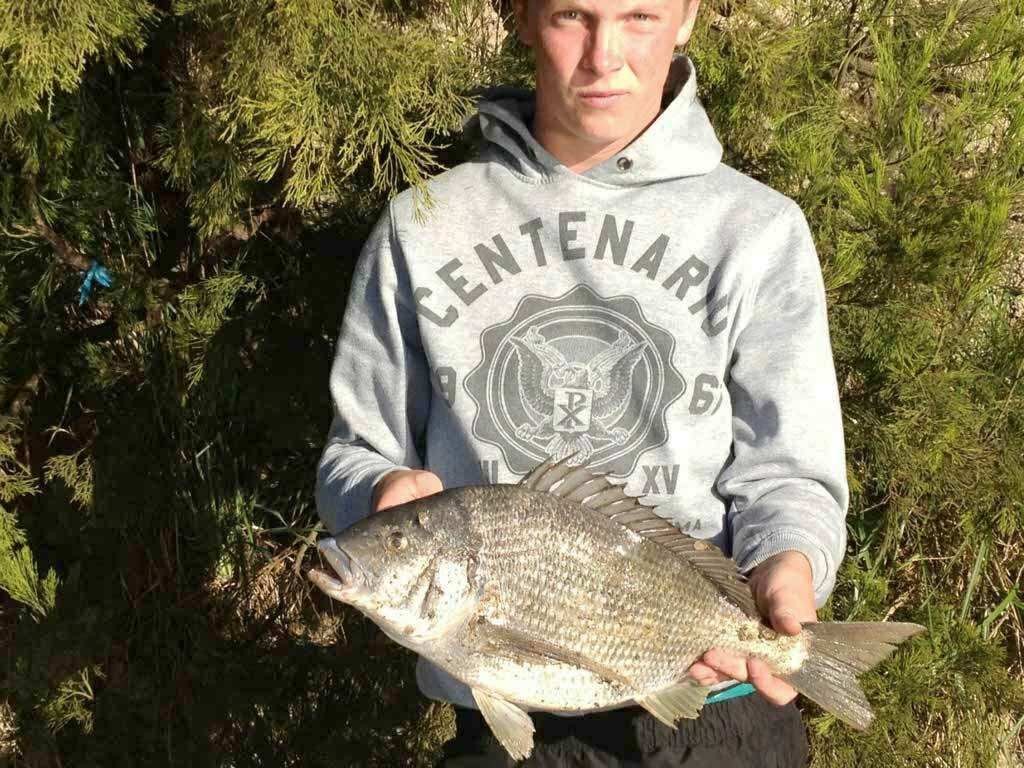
[(595, 491)]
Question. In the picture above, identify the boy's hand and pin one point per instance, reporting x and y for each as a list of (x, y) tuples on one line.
[(783, 588), (404, 485)]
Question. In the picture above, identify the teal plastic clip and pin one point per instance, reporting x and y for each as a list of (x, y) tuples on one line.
[(96, 273), (732, 692)]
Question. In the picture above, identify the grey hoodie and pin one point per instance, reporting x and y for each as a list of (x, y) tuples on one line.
[(660, 313)]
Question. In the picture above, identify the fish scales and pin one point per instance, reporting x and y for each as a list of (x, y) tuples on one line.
[(585, 583)]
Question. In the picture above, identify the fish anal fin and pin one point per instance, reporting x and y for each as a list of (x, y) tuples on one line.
[(512, 642), (511, 726), (685, 699)]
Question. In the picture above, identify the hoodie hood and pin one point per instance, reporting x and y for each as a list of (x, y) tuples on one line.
[(679, 143)]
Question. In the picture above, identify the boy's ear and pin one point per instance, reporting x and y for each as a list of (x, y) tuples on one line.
[(689, 18)]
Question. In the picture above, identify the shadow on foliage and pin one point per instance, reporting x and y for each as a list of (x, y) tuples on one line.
[(182, 633)]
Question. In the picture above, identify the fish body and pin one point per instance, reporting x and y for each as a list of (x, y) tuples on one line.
[(565, 594), (578, 581)]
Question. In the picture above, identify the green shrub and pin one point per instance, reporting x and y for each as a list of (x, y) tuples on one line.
[(224, 161)]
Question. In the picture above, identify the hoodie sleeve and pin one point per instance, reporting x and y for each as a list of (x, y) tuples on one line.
[(379, 383), (786, 483)]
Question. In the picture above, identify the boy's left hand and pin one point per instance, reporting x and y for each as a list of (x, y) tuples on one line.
[(783, 588)]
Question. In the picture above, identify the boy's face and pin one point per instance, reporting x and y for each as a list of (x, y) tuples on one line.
[(585, 47)]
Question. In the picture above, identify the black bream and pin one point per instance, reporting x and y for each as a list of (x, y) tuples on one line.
[(564, 594)]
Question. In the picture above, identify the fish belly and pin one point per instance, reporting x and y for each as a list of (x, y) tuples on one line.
[(548, 687)]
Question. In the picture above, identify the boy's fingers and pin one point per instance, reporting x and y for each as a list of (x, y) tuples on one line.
[(783, 619), (784, 591), (404, 486), (704, 674), (728, 664), (390, 498), (427, 483), (776, 690)]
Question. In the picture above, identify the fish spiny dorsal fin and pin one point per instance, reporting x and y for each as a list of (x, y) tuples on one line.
[(547, 472), (596, 492)]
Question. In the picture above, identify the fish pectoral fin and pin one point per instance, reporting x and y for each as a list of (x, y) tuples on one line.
[(511, 642), (511, 725), (686, 699)]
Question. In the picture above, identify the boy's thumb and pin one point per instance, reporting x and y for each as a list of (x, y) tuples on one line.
[(426, 483)]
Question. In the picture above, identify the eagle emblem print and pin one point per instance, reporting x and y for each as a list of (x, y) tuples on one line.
[(578, 373)]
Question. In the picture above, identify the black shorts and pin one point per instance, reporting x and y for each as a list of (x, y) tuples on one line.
[(745, 732)]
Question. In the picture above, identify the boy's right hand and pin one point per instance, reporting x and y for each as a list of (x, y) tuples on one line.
[(404, 485)]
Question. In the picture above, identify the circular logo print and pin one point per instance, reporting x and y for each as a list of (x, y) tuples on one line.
[(579, 373)]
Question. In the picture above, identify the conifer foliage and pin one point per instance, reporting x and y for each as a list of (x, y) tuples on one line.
[(184, 186)]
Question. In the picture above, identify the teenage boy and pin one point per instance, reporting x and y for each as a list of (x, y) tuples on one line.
[(597, 281)]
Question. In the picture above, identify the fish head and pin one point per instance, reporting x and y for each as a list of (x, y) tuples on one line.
[(410, 568)]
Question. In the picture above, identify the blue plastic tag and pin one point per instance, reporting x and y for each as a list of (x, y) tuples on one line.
[(732, 692), (96, 273)]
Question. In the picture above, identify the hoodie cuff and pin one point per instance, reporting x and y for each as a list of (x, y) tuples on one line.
[(340, 508), (822, 572), (373, 478)]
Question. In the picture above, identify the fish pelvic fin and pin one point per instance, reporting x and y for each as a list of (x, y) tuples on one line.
[(838, 651), (512, 727), (685, 699)]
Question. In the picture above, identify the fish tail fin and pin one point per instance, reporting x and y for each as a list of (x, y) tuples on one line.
[(838, 652)]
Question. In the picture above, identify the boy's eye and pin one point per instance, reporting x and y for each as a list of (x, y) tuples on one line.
[(575, 16)]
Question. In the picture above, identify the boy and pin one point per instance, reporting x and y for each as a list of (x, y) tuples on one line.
[(597, 281)]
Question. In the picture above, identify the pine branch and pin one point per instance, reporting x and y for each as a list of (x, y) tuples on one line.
[(1004, 409), (67, 252), (24, 393), (41, 228), (242, 232), (162, 287)]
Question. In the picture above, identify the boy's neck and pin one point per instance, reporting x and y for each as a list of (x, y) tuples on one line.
[(575, 155)]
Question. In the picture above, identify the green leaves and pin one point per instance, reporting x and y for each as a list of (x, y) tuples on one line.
[(45, 46), (308, 95), (894, 126), (72, 701), (225, 159), (18, 574)]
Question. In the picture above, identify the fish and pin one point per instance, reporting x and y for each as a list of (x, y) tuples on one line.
[(562, 593)]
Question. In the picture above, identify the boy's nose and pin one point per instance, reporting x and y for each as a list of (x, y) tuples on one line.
[(604, 52)]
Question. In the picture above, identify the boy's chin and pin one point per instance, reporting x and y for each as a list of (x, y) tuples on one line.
[(600, 136)]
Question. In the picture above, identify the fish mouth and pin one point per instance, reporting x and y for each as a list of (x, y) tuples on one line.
[(351, 579)]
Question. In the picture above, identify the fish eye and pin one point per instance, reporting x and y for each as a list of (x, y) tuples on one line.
[(396, 541)]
